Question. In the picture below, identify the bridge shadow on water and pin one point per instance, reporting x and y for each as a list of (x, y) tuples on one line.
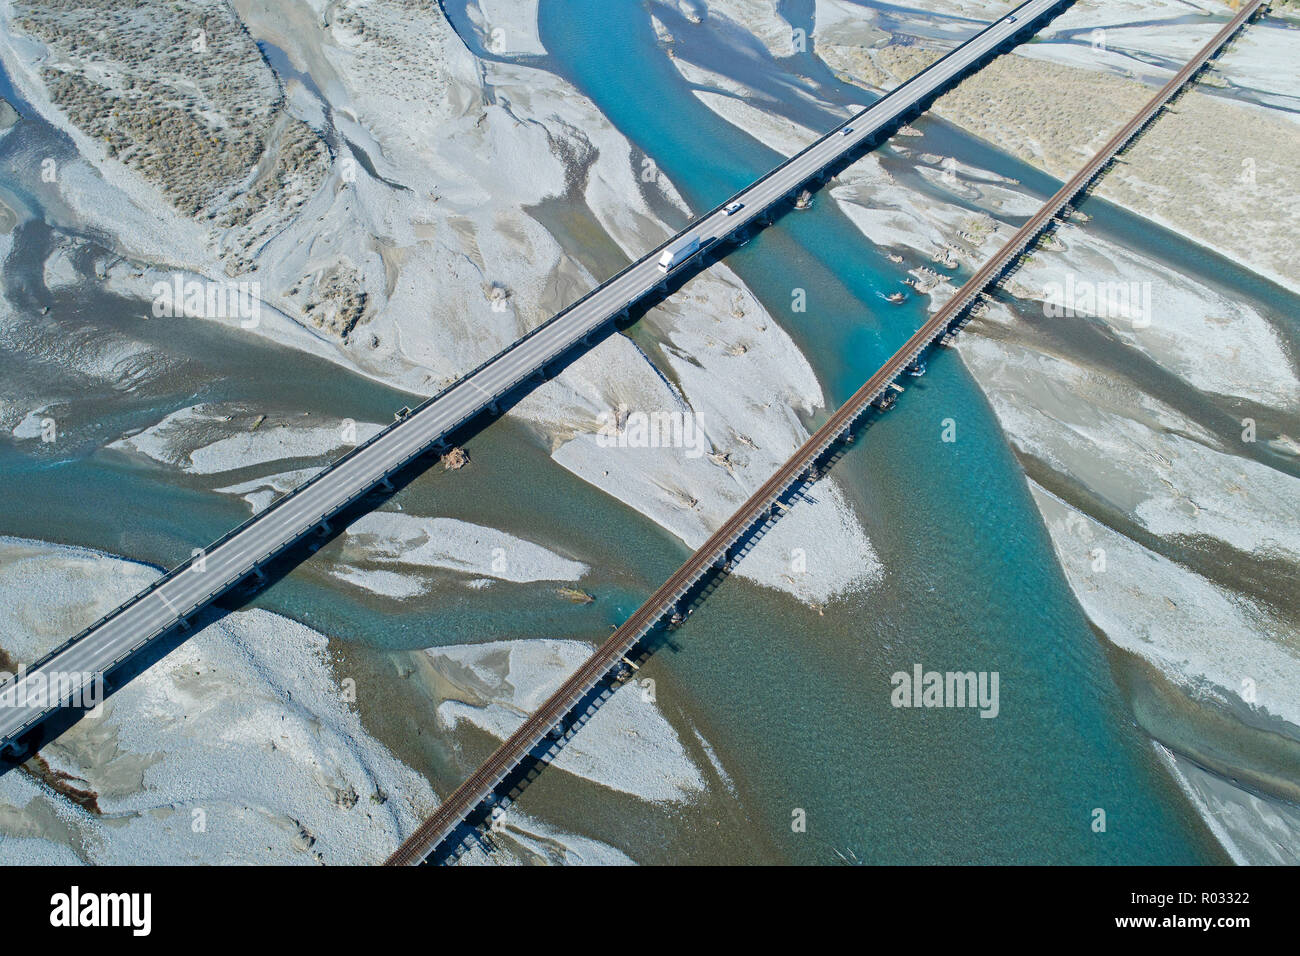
[(274, 569), (492, 816), (300, 550)]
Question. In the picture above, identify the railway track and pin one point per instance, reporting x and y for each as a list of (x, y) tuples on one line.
[(534, 732)]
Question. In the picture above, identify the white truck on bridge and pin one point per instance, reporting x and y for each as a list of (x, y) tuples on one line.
[(678, 252)]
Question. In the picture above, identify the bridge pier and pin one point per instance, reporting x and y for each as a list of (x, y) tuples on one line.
[(13, 750)]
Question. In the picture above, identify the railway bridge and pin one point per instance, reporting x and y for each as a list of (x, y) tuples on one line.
[(535, 736)]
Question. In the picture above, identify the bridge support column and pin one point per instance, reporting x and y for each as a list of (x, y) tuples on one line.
[(259, 574), (13, 750), (386, 484)]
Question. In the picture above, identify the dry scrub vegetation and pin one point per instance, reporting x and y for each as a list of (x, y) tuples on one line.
[(1214, 169), (205, 125)]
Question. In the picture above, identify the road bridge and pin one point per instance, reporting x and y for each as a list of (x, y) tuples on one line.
[(175, 597)]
